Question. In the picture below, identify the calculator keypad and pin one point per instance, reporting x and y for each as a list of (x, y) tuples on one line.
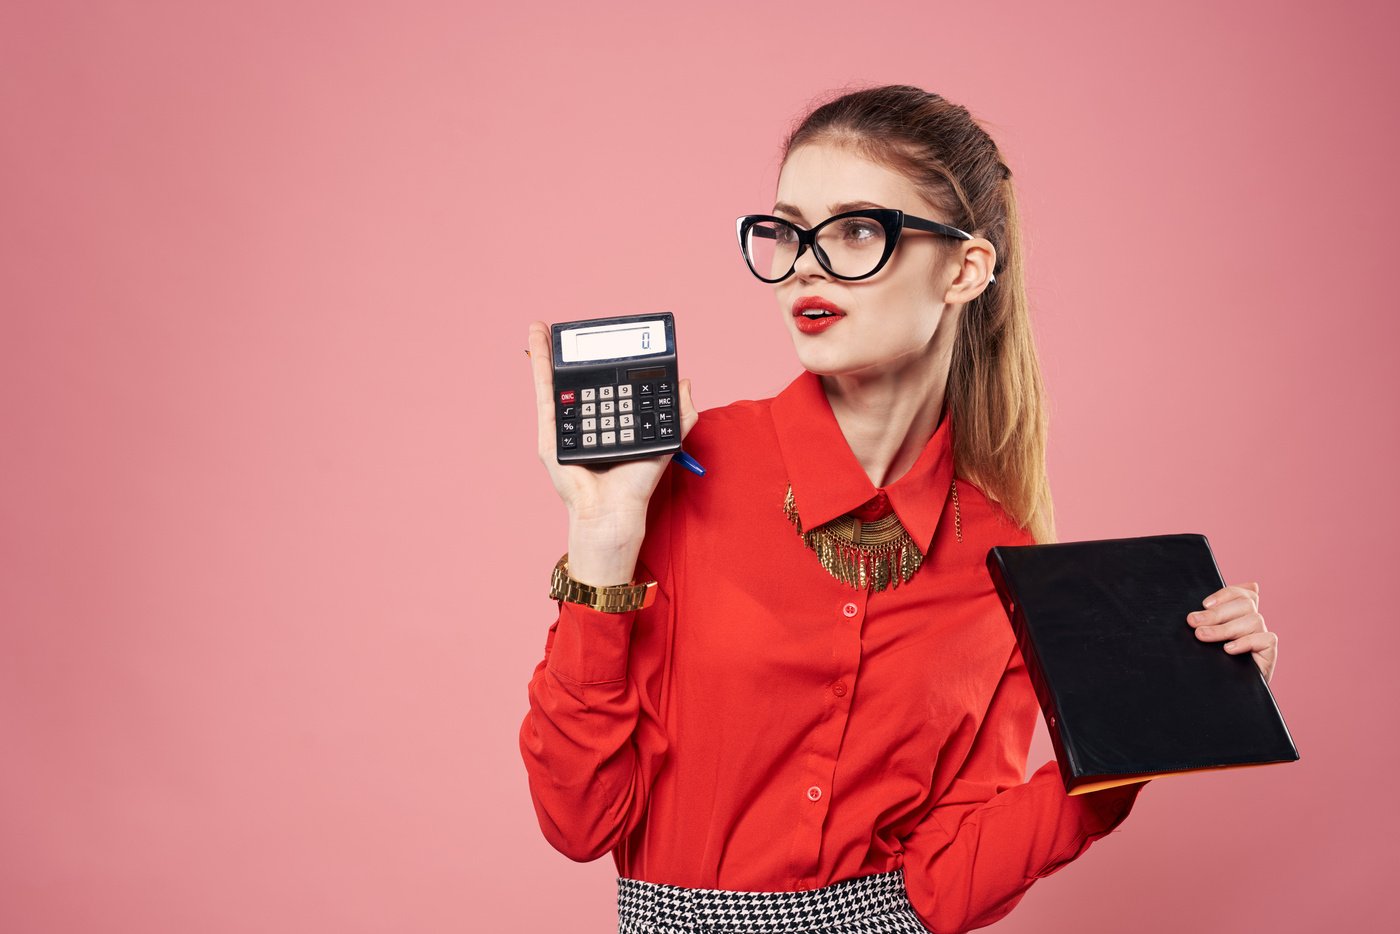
[(617, 415)]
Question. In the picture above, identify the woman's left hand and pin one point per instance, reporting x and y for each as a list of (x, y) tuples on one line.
[(1232, 616)]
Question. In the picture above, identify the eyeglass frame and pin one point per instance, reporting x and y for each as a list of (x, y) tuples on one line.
[(893, 220)]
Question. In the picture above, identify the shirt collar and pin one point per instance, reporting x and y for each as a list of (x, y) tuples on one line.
[(828, 481)]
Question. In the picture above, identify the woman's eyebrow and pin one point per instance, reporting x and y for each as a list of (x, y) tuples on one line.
[(783, 208)]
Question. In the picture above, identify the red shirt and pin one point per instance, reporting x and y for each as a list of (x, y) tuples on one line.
[(766, 727)]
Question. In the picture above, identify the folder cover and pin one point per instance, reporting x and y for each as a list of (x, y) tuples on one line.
[(1128, 691)]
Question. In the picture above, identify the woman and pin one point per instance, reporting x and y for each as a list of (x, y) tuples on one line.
[(821, 719)]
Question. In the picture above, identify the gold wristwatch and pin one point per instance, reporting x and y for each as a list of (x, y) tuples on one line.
[(619, 598)]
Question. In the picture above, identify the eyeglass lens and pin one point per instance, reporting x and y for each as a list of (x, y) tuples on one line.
[(852, 246)]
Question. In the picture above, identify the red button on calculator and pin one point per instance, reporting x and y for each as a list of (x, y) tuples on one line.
[(566, 396)]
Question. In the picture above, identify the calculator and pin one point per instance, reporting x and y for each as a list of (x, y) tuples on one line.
[(615, 388)]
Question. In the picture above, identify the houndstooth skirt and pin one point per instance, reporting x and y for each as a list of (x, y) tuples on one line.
[(875, 904)]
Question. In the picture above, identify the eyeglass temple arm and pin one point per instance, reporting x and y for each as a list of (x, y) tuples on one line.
[(918, 223)]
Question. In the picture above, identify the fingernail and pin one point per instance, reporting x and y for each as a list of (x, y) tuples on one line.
[(1229, 645), (1211, 601)]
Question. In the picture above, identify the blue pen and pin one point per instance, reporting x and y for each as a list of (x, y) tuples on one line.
[(689, 463)]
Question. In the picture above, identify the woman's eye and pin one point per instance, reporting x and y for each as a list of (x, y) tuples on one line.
[(859, 230)]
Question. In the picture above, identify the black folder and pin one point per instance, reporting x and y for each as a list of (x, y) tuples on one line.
[(1128, 691)]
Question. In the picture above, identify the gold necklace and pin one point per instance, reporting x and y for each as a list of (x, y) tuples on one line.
[(865, 555)]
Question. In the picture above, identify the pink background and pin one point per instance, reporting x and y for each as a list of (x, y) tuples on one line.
[(274, 535)]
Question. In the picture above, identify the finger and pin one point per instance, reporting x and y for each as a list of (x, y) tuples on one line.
[(1222, 612), (1257, 642), (542, 368), (1263, 647), (689, 416), (1250, 590), (1232, 629)]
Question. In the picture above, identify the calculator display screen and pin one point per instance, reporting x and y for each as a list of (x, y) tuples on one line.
[(611, 341)]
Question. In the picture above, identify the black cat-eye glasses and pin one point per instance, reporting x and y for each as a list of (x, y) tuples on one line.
[(851, 245)]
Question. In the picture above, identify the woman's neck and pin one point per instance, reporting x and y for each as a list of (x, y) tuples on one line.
[(888, 418)]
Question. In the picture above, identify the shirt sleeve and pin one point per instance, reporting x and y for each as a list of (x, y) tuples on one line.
[(972, 858), (593, 738)]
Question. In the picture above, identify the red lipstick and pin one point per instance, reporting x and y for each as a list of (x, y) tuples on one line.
[(815, 314)]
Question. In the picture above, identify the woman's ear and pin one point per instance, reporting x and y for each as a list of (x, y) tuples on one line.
[(978, 258)]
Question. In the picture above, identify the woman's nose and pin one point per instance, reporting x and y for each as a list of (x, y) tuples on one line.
[(807, 266)]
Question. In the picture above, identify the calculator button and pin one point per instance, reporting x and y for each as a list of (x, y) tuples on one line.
[(587, 409), (665, 418), (624, 405), (663, 402), (663, 387), (644, 389), (625, 421), (587, 395), (590, 424), (605, 392), (590, 441), (647, 403), (568, 427), (607, 408), (624, 391), (610, 437), (566, 395), (664, 431), (568, 411), (648, 427), (625, 435), (570, 441), (607, 422)]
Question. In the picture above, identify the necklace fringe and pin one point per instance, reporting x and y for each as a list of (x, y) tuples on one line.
[(864, 555)]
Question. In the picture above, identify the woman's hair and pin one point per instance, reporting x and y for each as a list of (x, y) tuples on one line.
[(995, 392)]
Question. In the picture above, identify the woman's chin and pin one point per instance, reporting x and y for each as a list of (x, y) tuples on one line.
[(826, 364)]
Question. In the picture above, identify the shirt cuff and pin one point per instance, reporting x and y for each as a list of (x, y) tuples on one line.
[(1105, 809), (590, 646)]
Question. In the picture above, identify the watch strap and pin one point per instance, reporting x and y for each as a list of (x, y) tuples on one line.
[(618, 598)]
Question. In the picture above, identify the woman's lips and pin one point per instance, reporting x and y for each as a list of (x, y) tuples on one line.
[(816, 325), (823, 314), (808, 302)]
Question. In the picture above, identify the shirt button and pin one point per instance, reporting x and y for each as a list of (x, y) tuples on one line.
[(814, 793), (850, 610), (839, 689)]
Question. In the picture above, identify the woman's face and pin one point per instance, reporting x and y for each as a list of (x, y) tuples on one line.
[(890, 318)]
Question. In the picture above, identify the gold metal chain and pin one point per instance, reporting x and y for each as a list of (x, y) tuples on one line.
[(957, 512)]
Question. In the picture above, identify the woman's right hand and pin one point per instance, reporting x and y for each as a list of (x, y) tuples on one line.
[(607, 504)]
